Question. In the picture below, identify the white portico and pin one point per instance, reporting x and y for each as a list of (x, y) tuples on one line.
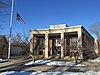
[(58, 39)]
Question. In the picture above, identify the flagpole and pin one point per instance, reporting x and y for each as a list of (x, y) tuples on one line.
[(11, 17)]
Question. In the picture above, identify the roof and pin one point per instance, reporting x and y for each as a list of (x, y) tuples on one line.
[(61, 26), (1, 36), (58, 26), (88, 33)]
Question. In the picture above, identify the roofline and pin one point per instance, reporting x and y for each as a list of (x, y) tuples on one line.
[(80, 26), (4, 38), (56, 28), (87, 32)]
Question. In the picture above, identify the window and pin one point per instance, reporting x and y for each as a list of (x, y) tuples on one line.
[(42, 43), (73, 42), (57, 42)]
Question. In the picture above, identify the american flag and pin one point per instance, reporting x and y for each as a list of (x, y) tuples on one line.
[(19, 18)]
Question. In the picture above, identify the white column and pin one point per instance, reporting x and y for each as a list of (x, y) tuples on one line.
[(79, 38), (46, 45), (62, 44), (80, 43), (31, 42), (96, 45)]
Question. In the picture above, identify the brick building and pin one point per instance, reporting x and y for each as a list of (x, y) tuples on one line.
[(61, 39)]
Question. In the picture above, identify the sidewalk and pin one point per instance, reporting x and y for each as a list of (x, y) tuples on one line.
[(17, 65)]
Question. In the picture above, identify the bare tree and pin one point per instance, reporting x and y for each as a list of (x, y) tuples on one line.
[(4, 6), (23, 39), (19, 38), (95, 29)]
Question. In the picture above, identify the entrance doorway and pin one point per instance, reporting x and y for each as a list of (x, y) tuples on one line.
[(57, 46)]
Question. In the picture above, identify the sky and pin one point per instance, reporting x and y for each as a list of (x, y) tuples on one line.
[(40, 14)]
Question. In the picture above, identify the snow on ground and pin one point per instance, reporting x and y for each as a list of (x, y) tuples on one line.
[(38, 62), (7, 72), (2, 60), (96, 60), (50, 73), (63, 63), (56, 63), (50, 62)]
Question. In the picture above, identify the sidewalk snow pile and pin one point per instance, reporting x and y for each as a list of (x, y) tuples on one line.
[(38, 62), (96, 60), (2, 60), (51, 73), (63, 63), (56, 63), (8, 73)]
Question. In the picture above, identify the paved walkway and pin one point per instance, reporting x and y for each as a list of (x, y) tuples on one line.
[(17, 65)]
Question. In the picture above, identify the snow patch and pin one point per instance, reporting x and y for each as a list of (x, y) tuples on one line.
[(7, 72), (56, 63), (50, 73), (96, 60), (38, 62), (63, 63), (2, 60)]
